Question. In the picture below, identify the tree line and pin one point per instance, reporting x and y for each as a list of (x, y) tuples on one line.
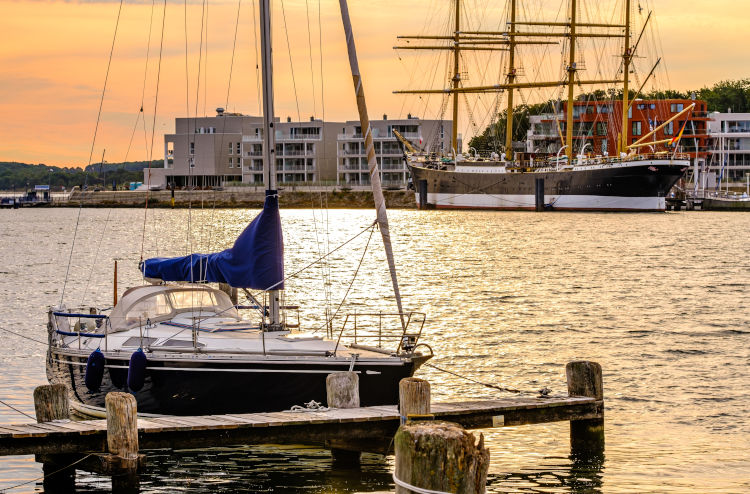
[(22, 175), (723, 96)]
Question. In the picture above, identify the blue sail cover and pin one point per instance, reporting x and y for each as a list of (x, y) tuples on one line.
[(256, 260)]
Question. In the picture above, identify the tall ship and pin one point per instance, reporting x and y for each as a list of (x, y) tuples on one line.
[(636, 176)]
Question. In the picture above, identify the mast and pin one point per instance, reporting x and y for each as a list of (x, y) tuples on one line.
[(456, 78), (626, 58), (511, 80), (571, 81), (372, 164), (269, 134)]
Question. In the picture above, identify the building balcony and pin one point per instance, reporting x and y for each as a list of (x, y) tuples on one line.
[(252, 138)]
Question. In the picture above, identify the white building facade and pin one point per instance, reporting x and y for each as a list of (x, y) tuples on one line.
[(729, 153), (227, 149)]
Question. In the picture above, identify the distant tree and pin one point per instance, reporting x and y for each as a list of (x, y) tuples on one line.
[(727, 95)]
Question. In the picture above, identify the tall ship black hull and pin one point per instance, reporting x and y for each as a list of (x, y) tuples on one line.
[(637, 185)]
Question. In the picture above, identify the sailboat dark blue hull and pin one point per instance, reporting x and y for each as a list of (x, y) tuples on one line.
[(199, 387)]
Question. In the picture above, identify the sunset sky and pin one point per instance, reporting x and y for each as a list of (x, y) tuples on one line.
[(54, 60)]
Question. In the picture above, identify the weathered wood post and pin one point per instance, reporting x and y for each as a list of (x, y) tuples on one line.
[(440, 456), (587, 435), (122, 441), (414, 397), (51, 403), (342, 391)]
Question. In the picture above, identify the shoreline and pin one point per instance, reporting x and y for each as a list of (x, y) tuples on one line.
[(233, 198)]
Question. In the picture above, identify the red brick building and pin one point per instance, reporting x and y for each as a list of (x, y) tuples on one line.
[(598, 123)]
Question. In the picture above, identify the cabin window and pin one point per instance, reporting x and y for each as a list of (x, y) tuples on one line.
[(189, 299), (149, 308)]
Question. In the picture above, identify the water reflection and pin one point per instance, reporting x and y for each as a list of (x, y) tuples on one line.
[(659, 300)]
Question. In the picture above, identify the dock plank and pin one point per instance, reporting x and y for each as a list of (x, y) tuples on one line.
[(333, 426)]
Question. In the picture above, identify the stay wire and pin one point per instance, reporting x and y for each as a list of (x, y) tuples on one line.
[(153, 126), (91, 153), (291, 64)]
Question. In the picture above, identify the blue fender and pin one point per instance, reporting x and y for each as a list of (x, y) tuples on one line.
[(137, 370), (94, 370)]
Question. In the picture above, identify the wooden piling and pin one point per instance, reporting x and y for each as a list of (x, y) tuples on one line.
[(587, 435), (440, 456), (342, 391), (414, 397), (51, 403), (122, 442)]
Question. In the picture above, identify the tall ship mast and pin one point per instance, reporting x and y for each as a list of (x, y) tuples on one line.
[(630, 180)]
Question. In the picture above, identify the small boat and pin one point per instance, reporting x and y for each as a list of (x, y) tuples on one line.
[(183, 347), (726, 203)]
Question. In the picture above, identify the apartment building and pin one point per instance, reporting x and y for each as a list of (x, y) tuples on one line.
[(597, 126), (227, 149), (729, 152), (433, 135)]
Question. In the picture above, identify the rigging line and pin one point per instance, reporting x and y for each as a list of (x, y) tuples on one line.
[(132, 135), (293, 275), (23, 336), (291, 64), (322, 79), (153, 126), (348, 289), (257, 68), (91, 153), (17, 410), (493, 386), (309, 51), (96, 255), (48, 475)]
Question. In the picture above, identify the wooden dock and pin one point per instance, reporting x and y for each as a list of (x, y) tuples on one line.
[(115, 446), (367, 424)]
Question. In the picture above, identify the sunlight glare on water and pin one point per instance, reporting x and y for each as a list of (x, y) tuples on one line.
[(660, 300)]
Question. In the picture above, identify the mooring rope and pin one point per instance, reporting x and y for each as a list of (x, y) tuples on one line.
[(17, 410), (489, 385), (414, 488), (23, 336), (46, 476)]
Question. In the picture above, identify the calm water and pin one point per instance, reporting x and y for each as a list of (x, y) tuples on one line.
[(660, 300)]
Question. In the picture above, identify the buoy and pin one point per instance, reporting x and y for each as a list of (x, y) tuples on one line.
[(94, 370), (137, 370)]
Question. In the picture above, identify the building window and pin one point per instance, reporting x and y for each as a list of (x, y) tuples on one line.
[(231, 163), (637, 128), (676, 107), (192, 148), (231, 147), (604, 146), (601, 128), (630, 112), (192, 162), (669, 129), (239, 150)]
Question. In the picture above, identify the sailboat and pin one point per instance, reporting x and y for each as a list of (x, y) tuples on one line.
[(629, 181), (181, 346)]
